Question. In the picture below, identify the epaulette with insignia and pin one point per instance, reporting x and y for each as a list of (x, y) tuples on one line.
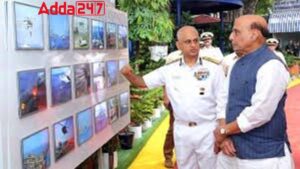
[(173, 61), (212, 59)]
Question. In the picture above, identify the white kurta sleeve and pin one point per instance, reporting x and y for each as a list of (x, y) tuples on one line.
[(155, 78), (272, 80)]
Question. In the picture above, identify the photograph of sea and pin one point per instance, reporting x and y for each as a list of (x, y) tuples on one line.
[(59, 33)]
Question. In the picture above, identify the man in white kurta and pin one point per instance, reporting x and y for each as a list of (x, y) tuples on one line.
[(193, 86), (254, 135)]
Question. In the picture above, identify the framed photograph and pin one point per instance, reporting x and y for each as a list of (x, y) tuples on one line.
[(84, 126), (59, 33), (82, 79), (97, 34), (124, 103), (111, 36), (81, 33), (113, 109), (64, 137), (28, 27), (36, 150), (32, 91), (122, 63), (99, 76), (101, 116), (61, 90), (112, 72), (122, 36)]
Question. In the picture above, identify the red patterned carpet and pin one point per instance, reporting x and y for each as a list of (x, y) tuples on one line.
[(293, 120)]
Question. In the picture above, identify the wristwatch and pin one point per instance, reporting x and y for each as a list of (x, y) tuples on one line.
[(223, 131)]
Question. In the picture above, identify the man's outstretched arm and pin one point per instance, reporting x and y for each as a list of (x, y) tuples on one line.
[(134, 79)]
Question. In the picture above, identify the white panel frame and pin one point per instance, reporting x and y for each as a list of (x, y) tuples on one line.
[(12, 128)]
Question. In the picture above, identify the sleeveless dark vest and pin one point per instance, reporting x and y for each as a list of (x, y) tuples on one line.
[(267, 140)]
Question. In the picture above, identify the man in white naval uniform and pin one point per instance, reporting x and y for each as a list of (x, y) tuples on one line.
[(254, 133), (208, 49), (193, 86)]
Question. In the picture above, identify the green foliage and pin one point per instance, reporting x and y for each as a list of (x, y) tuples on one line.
[(262, 7), (149, 24), (149, 20), (142, 107), (141, 110), (290, 59)]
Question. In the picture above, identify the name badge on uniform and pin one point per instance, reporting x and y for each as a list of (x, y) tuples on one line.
[(202, 74)]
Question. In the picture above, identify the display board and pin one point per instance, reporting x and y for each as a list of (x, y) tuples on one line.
[(62, 96)]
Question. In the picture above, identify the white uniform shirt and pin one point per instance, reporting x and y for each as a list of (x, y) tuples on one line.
[(272, 82), (183, 90), (211, 51), (280, 55)]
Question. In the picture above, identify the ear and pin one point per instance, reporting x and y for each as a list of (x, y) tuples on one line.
[(255, 35)]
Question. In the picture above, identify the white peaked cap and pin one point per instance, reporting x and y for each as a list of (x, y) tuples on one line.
[(206, 34)]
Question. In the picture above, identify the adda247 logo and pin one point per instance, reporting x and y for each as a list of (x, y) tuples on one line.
[(81, 8)]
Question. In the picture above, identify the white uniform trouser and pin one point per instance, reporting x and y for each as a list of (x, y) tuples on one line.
[(194, 145), (286, 162)]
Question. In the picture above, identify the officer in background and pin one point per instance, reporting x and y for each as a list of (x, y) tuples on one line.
[(208, 49), (273, 45)]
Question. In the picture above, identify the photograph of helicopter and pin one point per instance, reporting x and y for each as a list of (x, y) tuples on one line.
[(29, 27)]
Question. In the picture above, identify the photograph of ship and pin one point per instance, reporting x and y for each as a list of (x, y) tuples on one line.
[(32, 91), (101, 117), (36, 150), (84, 126), (122, 36), (82, 79), (29, 27), (64, 138), (113, 109), (97, 34), (112, 72), (80, 33), (124, 103), (99, 78), (59, 33), (111, 36), (61, 85), (122, 63)]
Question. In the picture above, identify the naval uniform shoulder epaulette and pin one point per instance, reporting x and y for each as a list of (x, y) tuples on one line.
[(212, 60), (173, 61)]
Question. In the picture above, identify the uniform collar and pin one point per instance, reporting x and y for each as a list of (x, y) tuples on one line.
[(198, 62), (210, 47)]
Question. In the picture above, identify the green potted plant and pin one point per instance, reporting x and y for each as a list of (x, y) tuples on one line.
[(141, 110)]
